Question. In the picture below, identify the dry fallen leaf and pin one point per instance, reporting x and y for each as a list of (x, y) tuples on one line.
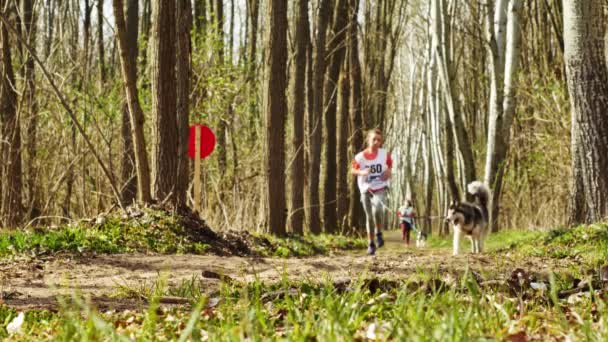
[(518, 337)]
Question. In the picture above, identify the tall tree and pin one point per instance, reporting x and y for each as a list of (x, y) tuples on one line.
[(384, 23), (127, 162), (10, 174), (337, 48), (356, 115), (184, 26), (100, 41), (302, 39), (343, 159), (587, 74), (222, 125), (315, 121), (455, 127), (200, 15), (162, 68), (71, 25), (144, 29), (276, 113), (86, 31), (136, 115), (253, 11), (29, 98), (50, 26), (504, 37)]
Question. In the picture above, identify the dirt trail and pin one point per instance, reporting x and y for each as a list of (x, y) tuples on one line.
[(35, 283)]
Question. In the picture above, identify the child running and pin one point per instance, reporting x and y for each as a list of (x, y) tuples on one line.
[(372, 167), (406, 216)]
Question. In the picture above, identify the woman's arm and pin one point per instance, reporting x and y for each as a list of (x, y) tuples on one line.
[(386, 175), (358, 172), (356, 169)]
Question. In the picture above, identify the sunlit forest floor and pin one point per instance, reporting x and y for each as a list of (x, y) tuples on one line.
[(527, 285)]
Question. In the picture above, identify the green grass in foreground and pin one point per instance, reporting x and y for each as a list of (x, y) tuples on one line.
[(157, 232), (587, 244), (305, 312), (503, 240)]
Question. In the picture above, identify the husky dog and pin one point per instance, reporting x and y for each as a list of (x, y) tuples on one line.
[(471, 219), (420, 239)]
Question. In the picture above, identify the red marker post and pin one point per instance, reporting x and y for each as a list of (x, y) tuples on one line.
[(201, 143)]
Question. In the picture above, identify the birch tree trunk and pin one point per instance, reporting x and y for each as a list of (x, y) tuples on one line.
[(505, 66), (456, 124), (587, 74)]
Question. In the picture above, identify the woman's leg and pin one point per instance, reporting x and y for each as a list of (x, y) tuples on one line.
[(366, 201), (378, 213)]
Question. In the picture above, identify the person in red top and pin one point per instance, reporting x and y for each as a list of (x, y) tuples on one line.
[(372, 167), (406, 216)]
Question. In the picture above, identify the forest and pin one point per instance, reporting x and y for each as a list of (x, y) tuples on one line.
[(102, 221)]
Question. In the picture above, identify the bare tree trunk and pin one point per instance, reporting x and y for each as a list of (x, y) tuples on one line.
[(356, 115), (316, 123), (276, 113), (222, 124), (343, 159), (231, 34), (86, 30), (184, 26), (505, 57), (128, 174), (144, 30), (162, 68), (50, 28), (446, 72), (11, 176), (129, 69), (73, 50), (337, 48), (200, 15), (254, 6), (428, 187), (587, 75), (100, 47), (219, 18), (29, 97), (450, 159), (128, 169), (308, 122), (253, 12), (302, 40)]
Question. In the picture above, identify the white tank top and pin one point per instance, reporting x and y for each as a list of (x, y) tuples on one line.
[(377, 167)]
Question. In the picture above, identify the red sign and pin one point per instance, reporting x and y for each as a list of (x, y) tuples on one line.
[(207, 143)]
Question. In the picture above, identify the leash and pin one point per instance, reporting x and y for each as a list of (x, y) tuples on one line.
[(432, 217)]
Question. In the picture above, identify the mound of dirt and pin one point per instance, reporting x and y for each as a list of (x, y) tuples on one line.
[(194, 230)]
